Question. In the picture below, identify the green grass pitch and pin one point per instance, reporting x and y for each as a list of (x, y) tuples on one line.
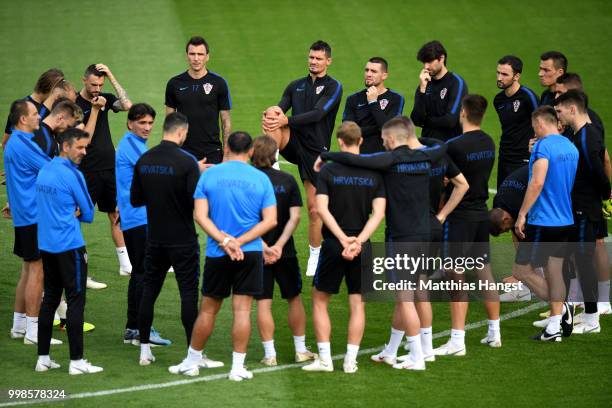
[(259, 46)]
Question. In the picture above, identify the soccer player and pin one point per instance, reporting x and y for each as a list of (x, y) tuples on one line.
[(441, 169), (314, 101), (405, 167), (507, 202), (235, 206), (98, 166), (47, 81), (502, 217), (466, 231), (438, 96), (203, 97), (351, 202), (280, 258), (23, 159), (164, 180), (63, 90), (565, 83), (64, 115), (60, 190), (553, 64), (133, 220), (514, 105), (546, 217), (590, 187), (371, 107)]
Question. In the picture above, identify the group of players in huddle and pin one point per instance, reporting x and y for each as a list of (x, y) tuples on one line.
[(553, 173)]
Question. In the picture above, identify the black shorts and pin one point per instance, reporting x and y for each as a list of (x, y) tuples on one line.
[(295, 152), (466, 239), (26, 243), (601, 230), (102, 189), (222, 276), (333, 267), (286, 272), (214, 157), (541, 243)]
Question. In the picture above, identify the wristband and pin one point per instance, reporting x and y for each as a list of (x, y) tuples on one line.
[(226, 240)]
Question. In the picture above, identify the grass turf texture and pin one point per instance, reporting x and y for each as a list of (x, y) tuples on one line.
[(259, 47)]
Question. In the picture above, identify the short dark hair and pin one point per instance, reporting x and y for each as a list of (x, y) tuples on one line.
[(264, 152), (91, 70), (515, 63), (433, 50), (496, 218), (239, 142), (58, 101), (71, 135), (140, 110), (572, 97), (321, 45), (475, 107), (196, 40), (18, 109), (546, 113), (349, 132), (402, 123), (559, 60), (66, 106), (380, 60), (571, 79), (48, 80), (174, 121)]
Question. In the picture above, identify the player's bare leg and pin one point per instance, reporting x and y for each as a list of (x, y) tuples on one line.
[(19, 314), (491, 302), (314, 228)]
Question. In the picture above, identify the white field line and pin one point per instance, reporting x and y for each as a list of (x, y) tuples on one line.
[(214, 377)]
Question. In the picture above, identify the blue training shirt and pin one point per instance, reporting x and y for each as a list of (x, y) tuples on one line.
[(553, 208), (60, 190), (23, 159), (237, 193), (130, 148)]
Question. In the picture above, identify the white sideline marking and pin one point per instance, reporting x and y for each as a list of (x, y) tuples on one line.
[(213, 377)]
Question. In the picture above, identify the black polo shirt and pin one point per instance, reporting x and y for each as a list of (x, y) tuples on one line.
[(200, 100), (101, 151), (371, 116), (515, 117)]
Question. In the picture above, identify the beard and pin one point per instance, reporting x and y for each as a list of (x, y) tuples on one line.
[(501, 85)]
